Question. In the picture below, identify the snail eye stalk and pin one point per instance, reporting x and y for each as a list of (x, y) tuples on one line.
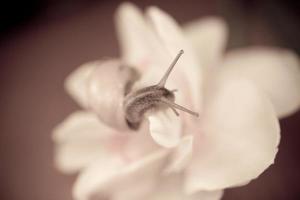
[(164, 79)]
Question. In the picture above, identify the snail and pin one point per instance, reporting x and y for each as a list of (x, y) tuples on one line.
[(110, 94), (155, 97)]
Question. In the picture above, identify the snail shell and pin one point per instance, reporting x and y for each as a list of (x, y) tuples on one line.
[(107, 86)]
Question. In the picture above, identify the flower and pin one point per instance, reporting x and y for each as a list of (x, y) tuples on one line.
[(239, 98)]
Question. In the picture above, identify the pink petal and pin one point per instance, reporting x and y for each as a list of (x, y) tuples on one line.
[(276, 71), (239, 140)]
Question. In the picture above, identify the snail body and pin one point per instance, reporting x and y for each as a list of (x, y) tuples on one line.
[(156, 97), (137, 103)]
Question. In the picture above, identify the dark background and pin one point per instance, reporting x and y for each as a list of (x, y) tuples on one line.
[(41, 42)]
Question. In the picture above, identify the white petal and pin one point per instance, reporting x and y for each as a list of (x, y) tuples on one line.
[(171, 188), (98, 174), (117, 180), (165, 128), (239, 139), (276, 71), (208, 37), (181, 155), (75, 83), (187, 67), (72, 157), (206, 195), (80, 140), (139, 46)]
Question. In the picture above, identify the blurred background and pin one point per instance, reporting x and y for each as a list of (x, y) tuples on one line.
[(42, 41)]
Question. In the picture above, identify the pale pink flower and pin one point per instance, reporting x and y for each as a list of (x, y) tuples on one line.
[(239, 98)]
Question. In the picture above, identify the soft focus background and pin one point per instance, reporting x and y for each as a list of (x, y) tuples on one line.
[(41, 42)]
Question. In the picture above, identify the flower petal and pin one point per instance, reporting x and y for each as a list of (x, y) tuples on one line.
[(182, 154), (98, 174), (75, 83), (239, 139), (80, 140), (117, 180), (171, 188), (276, 71), (206, 195), (208, 37), (165, 128), (106, 88), (139, 46), (187, 67)]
